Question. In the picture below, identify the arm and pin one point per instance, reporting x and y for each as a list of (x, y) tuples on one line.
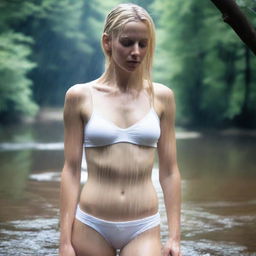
[(169, 173), (70, 177)]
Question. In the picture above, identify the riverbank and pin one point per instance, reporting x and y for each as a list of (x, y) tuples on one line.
[(49, 114)]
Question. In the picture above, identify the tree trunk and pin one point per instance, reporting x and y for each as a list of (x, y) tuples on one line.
[(238, 21)]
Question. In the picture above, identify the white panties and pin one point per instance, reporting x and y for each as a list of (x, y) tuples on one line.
[(118, 234)]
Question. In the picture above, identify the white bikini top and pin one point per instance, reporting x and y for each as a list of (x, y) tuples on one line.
[(100, 132)]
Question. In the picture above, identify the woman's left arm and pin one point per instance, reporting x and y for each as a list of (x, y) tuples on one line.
[(169, 174)]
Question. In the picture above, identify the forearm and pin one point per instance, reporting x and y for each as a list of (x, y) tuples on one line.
[(172, 197), (69, 193)]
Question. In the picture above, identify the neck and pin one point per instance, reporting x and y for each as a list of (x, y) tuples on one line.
[(122, 80)]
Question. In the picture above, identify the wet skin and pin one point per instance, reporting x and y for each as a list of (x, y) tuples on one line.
[(119, 186)]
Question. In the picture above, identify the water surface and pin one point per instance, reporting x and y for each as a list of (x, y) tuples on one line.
[(218, 190)]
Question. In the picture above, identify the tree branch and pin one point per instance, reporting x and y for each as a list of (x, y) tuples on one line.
[(232, 15)]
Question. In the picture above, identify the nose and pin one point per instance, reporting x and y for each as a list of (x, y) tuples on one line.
[(135, 50)]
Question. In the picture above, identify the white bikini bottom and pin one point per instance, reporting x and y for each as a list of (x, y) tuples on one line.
[(118, 234)]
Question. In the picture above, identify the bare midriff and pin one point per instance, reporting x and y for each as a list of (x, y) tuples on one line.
[(119, 185)]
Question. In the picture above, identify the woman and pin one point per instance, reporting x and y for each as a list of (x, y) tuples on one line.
[(120, 119)]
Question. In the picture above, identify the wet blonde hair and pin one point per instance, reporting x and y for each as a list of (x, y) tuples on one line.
[(114, 25)]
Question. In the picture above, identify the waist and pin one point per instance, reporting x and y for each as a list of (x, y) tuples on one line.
[(117, 202)]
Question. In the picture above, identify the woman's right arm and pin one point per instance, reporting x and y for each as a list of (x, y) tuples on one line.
[(70, 177)]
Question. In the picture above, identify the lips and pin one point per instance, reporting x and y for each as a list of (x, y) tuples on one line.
[(133, 61)]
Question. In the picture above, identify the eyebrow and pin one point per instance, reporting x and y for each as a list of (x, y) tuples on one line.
[(132, 38)]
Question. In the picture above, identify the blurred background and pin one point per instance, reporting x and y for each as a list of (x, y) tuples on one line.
[(46, 46)]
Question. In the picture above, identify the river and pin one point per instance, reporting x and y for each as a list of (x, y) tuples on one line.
[(218, 190)]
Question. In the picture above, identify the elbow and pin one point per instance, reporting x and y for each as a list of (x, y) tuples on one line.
[(168, 175), (72, 167)]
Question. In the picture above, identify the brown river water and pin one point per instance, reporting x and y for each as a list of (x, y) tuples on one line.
[(218, 190)]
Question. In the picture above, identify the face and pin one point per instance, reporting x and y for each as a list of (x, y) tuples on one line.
[(129, 48)]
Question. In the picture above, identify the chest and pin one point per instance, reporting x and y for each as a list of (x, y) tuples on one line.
[(123, 110)]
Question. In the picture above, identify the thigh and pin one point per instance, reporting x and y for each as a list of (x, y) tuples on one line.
[(88, 242), (147, 243)]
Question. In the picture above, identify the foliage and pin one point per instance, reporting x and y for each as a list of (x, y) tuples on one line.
[(15, 49), (48, 45), (14, 64), (60, 49), (204, 64), (67, 45)]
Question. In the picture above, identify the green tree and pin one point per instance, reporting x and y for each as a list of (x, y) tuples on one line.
[(60, 49), (204, 63), (15, 64), (67, 45)]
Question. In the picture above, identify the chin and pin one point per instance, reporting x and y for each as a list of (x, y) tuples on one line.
[(132, 68), (128, 68)]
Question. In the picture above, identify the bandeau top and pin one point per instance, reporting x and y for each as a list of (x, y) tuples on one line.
[(101, 132)]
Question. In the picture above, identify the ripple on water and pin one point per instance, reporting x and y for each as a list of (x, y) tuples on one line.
[(216, 204), (14, 146), (53, 176), (199, 221), (200, 227), (35, 237), (209, 248)]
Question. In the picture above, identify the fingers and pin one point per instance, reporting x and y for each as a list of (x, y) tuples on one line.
[(171, 251), (165, 251)]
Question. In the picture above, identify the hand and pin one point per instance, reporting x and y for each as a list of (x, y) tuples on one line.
[(67, 250), (171, 248)]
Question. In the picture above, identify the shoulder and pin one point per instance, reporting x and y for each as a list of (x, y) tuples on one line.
[(164, 103), (163, 94), (77, 92), (78, 100)]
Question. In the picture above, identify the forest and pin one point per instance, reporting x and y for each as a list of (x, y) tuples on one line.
[(46, 46)]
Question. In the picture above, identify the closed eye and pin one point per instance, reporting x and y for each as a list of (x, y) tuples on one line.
[(126, 42), (143, 43)]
